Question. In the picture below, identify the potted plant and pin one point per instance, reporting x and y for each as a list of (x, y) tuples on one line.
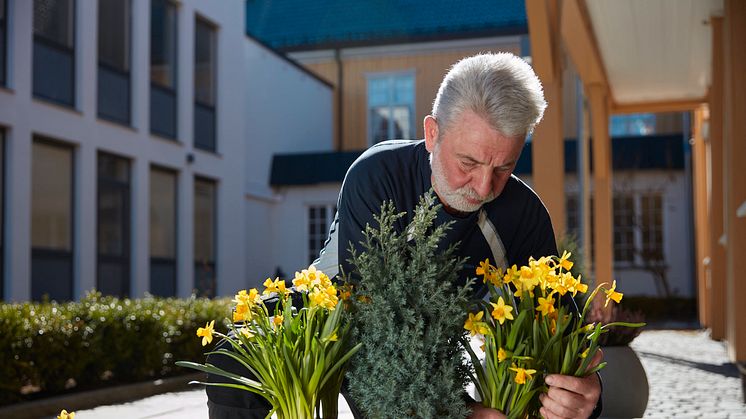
[(625, 384)]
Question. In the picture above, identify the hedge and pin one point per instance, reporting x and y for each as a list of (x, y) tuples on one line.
[(49, 347)]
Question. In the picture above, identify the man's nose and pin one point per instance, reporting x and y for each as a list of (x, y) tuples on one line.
[(483, 183)]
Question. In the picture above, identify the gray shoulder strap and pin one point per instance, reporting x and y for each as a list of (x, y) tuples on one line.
[(489, 231)]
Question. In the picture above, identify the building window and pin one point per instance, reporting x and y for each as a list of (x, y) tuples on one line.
[(113, 233), (163, 44), (2, 214), (390, 107), (624, 228), (632, 125), (114, 60), (3, 40), (51, 221), (54, 53), (205, 221), (320, 218), (651, 227), (205, 72), (163, 232), (572, 203)]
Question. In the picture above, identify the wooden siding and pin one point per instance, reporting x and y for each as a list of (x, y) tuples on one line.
[(428, 68)]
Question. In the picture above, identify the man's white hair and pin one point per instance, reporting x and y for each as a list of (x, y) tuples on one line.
[(501, 88)]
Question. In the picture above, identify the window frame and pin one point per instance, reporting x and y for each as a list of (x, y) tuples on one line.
[(125, 74), (52, 44), (51, 253), (168, 91), (391, 76), (207, 107), (212, 264), (161, 259), (322, 234), (126, 258)]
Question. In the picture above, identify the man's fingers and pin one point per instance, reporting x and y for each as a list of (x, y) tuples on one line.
[(567, 382), (563, 406)]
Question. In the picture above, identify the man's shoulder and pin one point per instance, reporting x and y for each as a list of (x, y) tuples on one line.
[(386, 158), (519, 196)]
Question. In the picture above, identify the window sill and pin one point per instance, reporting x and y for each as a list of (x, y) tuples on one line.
[(56, 104)]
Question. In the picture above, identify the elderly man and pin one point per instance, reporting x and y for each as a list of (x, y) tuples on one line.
[(485, 108)]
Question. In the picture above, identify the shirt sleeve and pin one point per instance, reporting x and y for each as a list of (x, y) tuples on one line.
[(359, 202)]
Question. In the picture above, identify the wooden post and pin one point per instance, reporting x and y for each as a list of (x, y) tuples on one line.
[(701, 217), (602, 185)]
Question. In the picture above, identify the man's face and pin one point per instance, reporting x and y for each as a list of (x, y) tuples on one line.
[(471, 162)]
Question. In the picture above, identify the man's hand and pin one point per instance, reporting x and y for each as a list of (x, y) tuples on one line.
[(571, 397), (480, 412)]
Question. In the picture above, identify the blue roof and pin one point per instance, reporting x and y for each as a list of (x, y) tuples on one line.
[(655, 152), (313, 24)]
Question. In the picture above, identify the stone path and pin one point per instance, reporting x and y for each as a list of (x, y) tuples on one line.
[(689, 375)]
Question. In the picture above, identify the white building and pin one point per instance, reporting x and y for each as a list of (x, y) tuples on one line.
[(136, 142)]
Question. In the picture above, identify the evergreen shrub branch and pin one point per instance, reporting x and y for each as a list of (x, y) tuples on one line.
[(409, 317)]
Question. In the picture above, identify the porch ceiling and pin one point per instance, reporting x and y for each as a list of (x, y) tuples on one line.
[(654, 51)]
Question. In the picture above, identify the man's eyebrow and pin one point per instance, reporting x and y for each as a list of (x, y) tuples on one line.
[(471, 159)]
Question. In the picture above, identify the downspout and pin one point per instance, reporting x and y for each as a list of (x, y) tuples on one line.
[(340, 108)]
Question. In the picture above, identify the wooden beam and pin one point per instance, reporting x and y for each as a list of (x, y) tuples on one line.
[(580, 43), (658, 107), (542, 33), (701, 217), (716, 286), (734, 33), (602, 184)]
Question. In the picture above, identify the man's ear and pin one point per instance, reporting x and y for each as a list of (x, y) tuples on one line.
[(431, 133)]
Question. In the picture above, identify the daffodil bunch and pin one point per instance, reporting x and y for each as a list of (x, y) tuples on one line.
[(295, 358), (531, 328)]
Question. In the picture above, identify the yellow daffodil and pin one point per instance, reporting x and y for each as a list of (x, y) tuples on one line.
[(521, 374), (553, 327), (611, 294), (242, 313), (546, 305), (475, 325), (588, 328), (489, 273), (64, 415), (277, 320), (301, 281), (333, 337), (501, 311), (246, 332), (276, 286), (584, 354), (501, 355), (564, 261), (206, 333)]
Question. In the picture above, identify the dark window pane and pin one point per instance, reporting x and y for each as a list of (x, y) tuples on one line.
[(3, 47), (51, 275), (162, 112), (205, 279), (53, 21), (162, 214), (204, 220), (51, 197), (113, 33), (53, 73), (204, 63), (163, 43), (113, 276), (162, 277), (2, 212), (204, 127), (113, 95)]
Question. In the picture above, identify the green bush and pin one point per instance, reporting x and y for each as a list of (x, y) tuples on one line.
[(52, 347)]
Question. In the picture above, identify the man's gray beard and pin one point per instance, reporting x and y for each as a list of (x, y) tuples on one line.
[(455, 199)]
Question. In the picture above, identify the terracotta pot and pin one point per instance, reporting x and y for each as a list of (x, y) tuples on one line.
[(625, 385)]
